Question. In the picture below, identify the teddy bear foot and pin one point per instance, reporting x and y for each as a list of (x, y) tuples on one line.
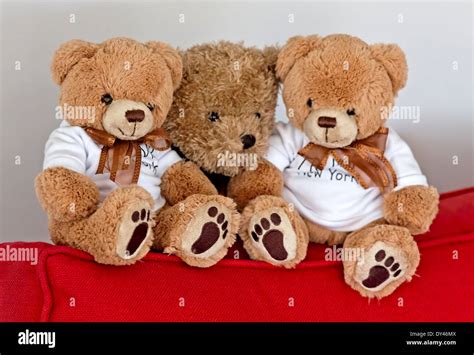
[(135, 231), (207, 232), (126, 227), (119, 232), (204, 229), (387, 257), (273, 233)]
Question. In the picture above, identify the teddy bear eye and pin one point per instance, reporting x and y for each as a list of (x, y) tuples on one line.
[(351, 112), (150, 106), (309, 103), (258, 114), (106, 99), (213, 116)]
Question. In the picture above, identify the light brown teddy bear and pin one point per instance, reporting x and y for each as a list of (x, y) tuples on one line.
[(221, 119), (353, 180), (109, 170)]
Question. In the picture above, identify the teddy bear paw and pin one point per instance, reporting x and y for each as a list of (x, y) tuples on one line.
[(135, 231), (208, 235), (381, 265), (273, 238), (387, 256), (382, 268)]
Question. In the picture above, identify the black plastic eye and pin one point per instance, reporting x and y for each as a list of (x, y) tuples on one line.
[(150, 106), (351, 112), (213, 116), (106, 99), (309, 103), (258, 114)]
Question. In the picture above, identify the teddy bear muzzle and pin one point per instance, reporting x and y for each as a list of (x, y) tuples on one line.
[(128, 120), (331, 128)]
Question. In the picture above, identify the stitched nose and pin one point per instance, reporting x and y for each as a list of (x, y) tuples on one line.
[(326, 122), (135, 115), (248, 141)]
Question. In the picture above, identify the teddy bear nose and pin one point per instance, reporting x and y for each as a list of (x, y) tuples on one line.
[(135, 115), (248, 141), (326, 122)]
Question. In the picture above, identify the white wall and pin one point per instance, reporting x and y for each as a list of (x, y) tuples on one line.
[(434, 35)]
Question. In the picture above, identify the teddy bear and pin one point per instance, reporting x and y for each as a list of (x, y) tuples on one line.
[(221, 119), (111, 184), (354, 181)]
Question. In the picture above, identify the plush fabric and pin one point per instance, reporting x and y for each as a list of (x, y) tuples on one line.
[(221, 118), (339, 91), (114, 99), (163, 288)]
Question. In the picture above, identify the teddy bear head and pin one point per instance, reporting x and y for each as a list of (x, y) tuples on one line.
[(338, 89), (225, 105), (120, 86)]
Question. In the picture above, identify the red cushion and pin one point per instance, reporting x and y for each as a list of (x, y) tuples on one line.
[(67, 285)]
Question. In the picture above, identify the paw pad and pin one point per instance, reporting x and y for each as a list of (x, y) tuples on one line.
[(141, 218), (385, 269), (211, 231), (272, 238)]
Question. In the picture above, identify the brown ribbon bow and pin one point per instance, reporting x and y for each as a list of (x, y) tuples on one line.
[(363, 159), (123, 150)]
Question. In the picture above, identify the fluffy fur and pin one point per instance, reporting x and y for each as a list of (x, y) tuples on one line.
[(239, 85), (343, 73), (185, 174), (412, 208), (73, 197), (76, 66), (146, 74), (265, 180), (340, 71)]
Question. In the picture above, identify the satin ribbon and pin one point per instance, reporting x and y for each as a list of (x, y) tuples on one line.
[(363, 159), (119, 152)]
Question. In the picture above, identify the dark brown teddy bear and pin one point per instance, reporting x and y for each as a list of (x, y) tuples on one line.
[(109, 172), (221, 119)]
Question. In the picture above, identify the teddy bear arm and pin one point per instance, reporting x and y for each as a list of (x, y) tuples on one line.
[(413, 207), (184, 179), (65, 194), (265, 180)]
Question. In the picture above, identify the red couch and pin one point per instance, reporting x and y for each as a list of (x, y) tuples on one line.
[(67, 285)]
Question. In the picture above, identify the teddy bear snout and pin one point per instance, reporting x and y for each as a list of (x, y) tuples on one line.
[(330, 127), (128, 120)]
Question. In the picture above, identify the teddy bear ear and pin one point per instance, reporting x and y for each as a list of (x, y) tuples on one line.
[(393, 60), (296, 48), (270, 54), (172, 58), (68, 55)]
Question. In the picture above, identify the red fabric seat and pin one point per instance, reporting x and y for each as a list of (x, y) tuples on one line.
[(67, 285)]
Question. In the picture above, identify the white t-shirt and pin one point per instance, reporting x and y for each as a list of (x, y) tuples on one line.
[(332, 197), (72, 148)]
